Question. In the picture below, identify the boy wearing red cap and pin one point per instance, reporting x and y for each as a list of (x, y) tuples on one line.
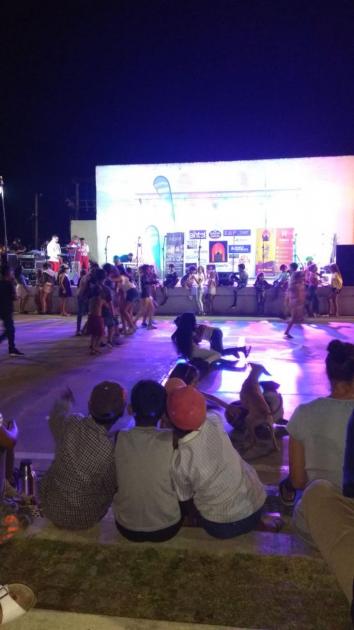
[(206, 468)]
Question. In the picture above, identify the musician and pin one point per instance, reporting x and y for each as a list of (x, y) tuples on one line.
[(17, 246), (82, 254), (54, 253), (73, 245)]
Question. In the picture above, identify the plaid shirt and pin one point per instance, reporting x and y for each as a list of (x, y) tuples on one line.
[(79, 486)]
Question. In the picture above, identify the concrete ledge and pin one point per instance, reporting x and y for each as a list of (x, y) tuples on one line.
[(54, 620), (188, 538)]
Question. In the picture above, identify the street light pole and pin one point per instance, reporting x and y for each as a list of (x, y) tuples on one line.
[(36, 206), (3, 213)]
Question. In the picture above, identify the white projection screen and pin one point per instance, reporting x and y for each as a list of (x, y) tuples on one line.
[(262, 212)]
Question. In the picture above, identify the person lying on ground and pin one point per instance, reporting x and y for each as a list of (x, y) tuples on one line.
[(184, 339)]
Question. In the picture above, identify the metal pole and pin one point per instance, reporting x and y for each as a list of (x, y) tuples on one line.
[(3, 214), (36, 197), (77, 200)]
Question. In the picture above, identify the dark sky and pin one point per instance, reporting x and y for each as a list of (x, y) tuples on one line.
[(86, 83)]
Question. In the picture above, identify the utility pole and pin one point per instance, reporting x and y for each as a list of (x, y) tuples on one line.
[(36, 205), (77, 199)]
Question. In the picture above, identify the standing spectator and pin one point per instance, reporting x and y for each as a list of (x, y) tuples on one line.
[(312, 287), (241, 279), (64, 289), (296, 298), (7, 298), (212, 283), (201, 279), (46, 288), (82, 294), (336, 287), (261, 286), (22, 290)]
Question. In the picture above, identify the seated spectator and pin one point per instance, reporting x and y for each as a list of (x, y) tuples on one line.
[(171, 277), (205, 467), (261, 286), (318, 429), (8, 439), (241, 279), (79, 486), (146, 506), (329, 518)]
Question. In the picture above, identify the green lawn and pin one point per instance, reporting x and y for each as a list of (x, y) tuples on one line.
[(241, 590)]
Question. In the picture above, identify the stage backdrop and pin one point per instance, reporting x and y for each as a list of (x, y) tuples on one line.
[(261, 212)]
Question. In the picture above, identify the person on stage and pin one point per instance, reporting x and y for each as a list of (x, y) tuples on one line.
[(82, 254), (54, 253)]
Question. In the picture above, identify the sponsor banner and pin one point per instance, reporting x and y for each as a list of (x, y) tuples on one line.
[(218, 251), (237, 233), (239, 249), (175, 251), (197, 234)]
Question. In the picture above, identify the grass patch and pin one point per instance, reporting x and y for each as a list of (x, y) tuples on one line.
[(235, 589)]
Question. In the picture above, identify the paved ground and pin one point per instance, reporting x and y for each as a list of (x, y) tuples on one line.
[(56, 358)]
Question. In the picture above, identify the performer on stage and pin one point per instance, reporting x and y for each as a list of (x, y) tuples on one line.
[(82, 254), (54, 253), (72, 246)]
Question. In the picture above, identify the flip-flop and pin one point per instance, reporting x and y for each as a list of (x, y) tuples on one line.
[(12, 609)]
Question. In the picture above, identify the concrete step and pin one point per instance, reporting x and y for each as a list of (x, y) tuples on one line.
[(188, 538), (51, 619)]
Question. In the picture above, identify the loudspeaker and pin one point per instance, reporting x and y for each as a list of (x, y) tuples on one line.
[(345, 262)]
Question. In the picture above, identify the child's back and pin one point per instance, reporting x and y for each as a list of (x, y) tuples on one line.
[(225, 487), (145, 500), (145, 505)]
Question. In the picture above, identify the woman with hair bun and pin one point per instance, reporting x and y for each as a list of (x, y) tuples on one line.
[(318, 429)]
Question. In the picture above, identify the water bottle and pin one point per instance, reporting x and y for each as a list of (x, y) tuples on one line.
[(27, 479), (1, 419)]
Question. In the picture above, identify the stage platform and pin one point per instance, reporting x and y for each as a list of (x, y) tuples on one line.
[(55, 358)]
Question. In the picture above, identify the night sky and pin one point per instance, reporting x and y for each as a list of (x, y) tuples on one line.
[(87, 83)]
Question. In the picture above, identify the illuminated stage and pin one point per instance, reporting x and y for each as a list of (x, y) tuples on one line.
[(262, 213)]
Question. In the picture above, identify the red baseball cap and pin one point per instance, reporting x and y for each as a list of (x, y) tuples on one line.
[(186, 408)]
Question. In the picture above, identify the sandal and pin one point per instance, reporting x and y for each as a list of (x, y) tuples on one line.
[(287, 493), (15, 601)]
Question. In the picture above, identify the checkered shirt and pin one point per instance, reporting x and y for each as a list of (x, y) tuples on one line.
[(79, 486)]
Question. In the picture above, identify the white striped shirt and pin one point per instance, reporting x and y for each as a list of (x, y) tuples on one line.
[(207, 468)]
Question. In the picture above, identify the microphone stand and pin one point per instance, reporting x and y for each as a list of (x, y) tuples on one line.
[(4, 218), (106, 248), (139, 250), (199, 250)]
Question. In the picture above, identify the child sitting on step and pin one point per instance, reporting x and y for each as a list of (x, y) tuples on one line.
[(146, 506), (205, 467)]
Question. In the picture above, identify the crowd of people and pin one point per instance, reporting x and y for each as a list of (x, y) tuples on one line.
[(177, 464)]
